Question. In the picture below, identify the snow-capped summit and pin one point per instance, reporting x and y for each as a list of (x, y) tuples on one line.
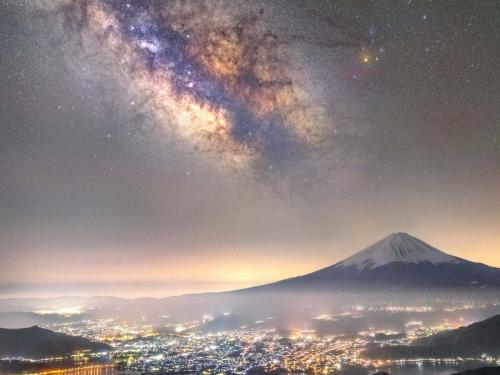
[(397, 247)]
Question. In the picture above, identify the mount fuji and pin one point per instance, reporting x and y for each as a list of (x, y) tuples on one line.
[(398, 261)]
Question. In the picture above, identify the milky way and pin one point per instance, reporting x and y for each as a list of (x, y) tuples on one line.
[(220, 82)]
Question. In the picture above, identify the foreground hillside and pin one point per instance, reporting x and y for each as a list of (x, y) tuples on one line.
[(471, 341), (35, 342)]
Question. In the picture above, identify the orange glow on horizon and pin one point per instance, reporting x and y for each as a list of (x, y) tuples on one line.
[(154, 276)]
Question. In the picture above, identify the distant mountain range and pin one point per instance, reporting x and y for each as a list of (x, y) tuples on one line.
[(21, 319), (35, 342), (471, 341), (398, 261)]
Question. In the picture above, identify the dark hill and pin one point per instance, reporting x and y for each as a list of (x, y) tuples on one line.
[(477, 338), (471, 341), (35, 342)]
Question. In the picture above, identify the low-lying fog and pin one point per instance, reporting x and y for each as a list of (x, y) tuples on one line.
[(321, 313)]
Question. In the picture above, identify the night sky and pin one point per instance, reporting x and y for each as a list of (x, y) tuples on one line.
[(150, 148)]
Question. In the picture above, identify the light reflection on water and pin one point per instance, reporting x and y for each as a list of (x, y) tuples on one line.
[(88, 370), (423, 370), (429, 369)]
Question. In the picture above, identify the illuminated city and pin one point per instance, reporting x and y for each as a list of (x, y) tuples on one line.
[(142, 347)]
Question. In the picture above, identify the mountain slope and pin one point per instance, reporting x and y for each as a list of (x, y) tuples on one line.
[(35, 342), (398, 261)]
